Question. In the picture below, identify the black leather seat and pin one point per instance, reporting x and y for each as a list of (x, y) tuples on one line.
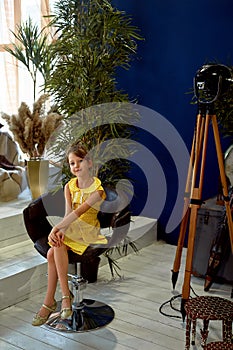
[(114, 213)]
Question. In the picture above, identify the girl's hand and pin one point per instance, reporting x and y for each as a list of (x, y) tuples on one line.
[(56, 237), (60, 238)]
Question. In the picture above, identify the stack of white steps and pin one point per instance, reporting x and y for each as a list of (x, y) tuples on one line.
[(23, 269)]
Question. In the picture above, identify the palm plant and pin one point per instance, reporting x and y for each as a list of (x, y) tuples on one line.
[(94, 40), (31, 48)]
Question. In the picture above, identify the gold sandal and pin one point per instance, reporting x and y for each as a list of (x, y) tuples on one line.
[(67, 311), (39, 320)]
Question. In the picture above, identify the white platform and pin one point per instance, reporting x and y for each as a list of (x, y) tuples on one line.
[(23, 269)]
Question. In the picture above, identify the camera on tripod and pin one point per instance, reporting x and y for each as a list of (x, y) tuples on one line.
[(211, 82)]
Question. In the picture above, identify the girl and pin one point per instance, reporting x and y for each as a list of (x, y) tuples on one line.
[(80, 227)]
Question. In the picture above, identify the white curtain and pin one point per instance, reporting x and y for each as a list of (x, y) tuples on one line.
[(8, 86)]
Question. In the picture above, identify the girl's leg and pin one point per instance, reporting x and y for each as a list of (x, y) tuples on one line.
[(52, 278), (52, 283), (61, 261), (49, 302)]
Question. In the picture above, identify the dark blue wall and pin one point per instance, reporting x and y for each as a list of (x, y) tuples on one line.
[(180, 36)]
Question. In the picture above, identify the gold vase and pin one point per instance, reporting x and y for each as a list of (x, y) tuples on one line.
[(38, 175)]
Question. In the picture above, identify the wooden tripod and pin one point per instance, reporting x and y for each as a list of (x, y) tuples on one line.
[(193, 196)]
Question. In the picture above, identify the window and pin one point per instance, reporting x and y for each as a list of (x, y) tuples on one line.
[(16, 84)]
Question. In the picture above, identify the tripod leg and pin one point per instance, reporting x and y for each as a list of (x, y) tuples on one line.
[(192, 170), (180, 244), (223, 178), (194, 206), (189, 256)]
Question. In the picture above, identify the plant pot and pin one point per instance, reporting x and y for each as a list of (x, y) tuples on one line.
[(38, 175)]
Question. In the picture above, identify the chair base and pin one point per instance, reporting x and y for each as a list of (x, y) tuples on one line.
[(90, 315)]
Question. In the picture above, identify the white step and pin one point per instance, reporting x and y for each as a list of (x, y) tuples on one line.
[(23, 269), (11, 220), (22, 273)]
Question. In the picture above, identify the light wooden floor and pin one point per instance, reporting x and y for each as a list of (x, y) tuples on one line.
[(136, 299)]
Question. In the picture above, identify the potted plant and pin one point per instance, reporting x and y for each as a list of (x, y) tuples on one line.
[(32, 130)]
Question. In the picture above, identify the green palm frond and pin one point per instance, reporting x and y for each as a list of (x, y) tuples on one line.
[(94, 39), (31, 48), (122, 250), (114, 267)]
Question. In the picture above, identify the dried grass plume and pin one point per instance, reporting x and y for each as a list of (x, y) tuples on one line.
[(32, 130)]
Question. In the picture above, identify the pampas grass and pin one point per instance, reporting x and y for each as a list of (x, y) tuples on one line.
[(32, 130)]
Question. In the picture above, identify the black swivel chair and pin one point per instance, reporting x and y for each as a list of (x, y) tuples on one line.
[(114, 213)]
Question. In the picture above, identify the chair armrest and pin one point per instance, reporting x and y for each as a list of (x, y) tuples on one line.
[(36, 212), (37, 227), (42, 246)]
